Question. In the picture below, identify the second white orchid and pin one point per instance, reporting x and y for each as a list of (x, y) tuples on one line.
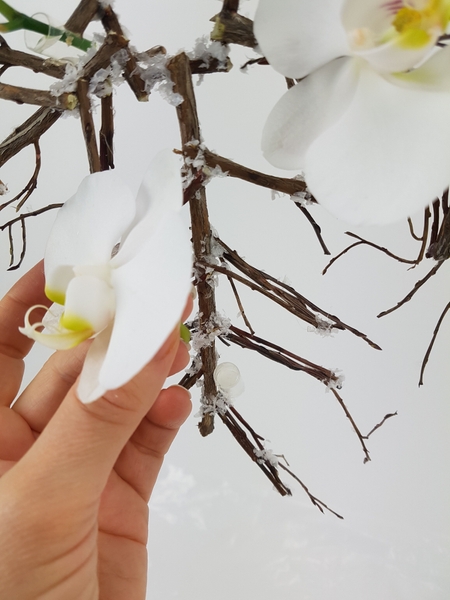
[(368, 122), (119, 270)]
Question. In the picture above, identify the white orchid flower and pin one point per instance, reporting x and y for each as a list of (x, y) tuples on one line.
[(369, 124), (130, 300)]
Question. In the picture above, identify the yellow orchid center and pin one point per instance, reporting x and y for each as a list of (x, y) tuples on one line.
[(417, 21)]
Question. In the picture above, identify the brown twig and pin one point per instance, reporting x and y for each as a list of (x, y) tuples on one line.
[(82, 16), (280, 355), (21, 219), (233, 169), (107, 134), (435, 224), (24, 194), (315, 226), (279, 184), (87, 124), (15, 58), (433, 339), (359, 435), (28, 133), (230, 420), (240, 305), (415, 289), (281, 293), (380, 424), (34, 213), (111, 24), (201, 232), (12, 266), (317, 503), (440, 250), (367, 243), (20, 95), (232, 28), (199, 67), (113, 43)]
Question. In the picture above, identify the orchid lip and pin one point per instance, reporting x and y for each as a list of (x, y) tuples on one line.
[(64, 339)]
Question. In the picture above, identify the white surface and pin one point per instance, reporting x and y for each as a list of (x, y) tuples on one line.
[(217, 529)]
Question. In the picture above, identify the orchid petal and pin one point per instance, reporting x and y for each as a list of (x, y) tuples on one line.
[(160, 192), (433, 75), (89, 387), (288, 32), (386, 158), (389, 57), (87, 227), (89, 304), (151, 291), (306, 110)]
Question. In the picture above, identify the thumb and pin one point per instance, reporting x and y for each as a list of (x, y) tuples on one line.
[(79, 447)]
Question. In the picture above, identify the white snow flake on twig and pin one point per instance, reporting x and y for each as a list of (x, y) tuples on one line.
[(154, 73), (324, 328), (265, 455), (336, 384), (205, 50), (217, 325)]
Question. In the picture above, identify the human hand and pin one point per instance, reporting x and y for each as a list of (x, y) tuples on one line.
[(76, 478)]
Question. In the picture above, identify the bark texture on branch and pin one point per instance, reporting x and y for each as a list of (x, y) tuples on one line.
[(201, 233)]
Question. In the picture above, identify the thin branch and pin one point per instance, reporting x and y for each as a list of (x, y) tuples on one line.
[(333, 260), (230, 421), (34, 213), (380, 424), (240, 305), (315, 226), (15, 58), (233, 169), (433, 339), (28, 133), (281, 293), (107, 134), (440, 250), (12, 266), (415, 289), (360, 436), (280, 355), (435, 225), (42, 98), (317, 503), (372, 245)]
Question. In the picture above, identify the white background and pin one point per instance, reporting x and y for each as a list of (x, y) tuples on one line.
[(218, 530)]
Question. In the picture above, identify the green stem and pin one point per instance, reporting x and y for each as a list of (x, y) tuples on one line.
[(17, 20), (8, 11)]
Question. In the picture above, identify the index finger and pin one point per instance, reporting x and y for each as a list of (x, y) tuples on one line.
[(14, 346)]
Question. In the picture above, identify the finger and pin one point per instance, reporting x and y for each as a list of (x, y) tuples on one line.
[(15, 435), (29, 290), (76, 452), (41, 398), (141, 459)]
